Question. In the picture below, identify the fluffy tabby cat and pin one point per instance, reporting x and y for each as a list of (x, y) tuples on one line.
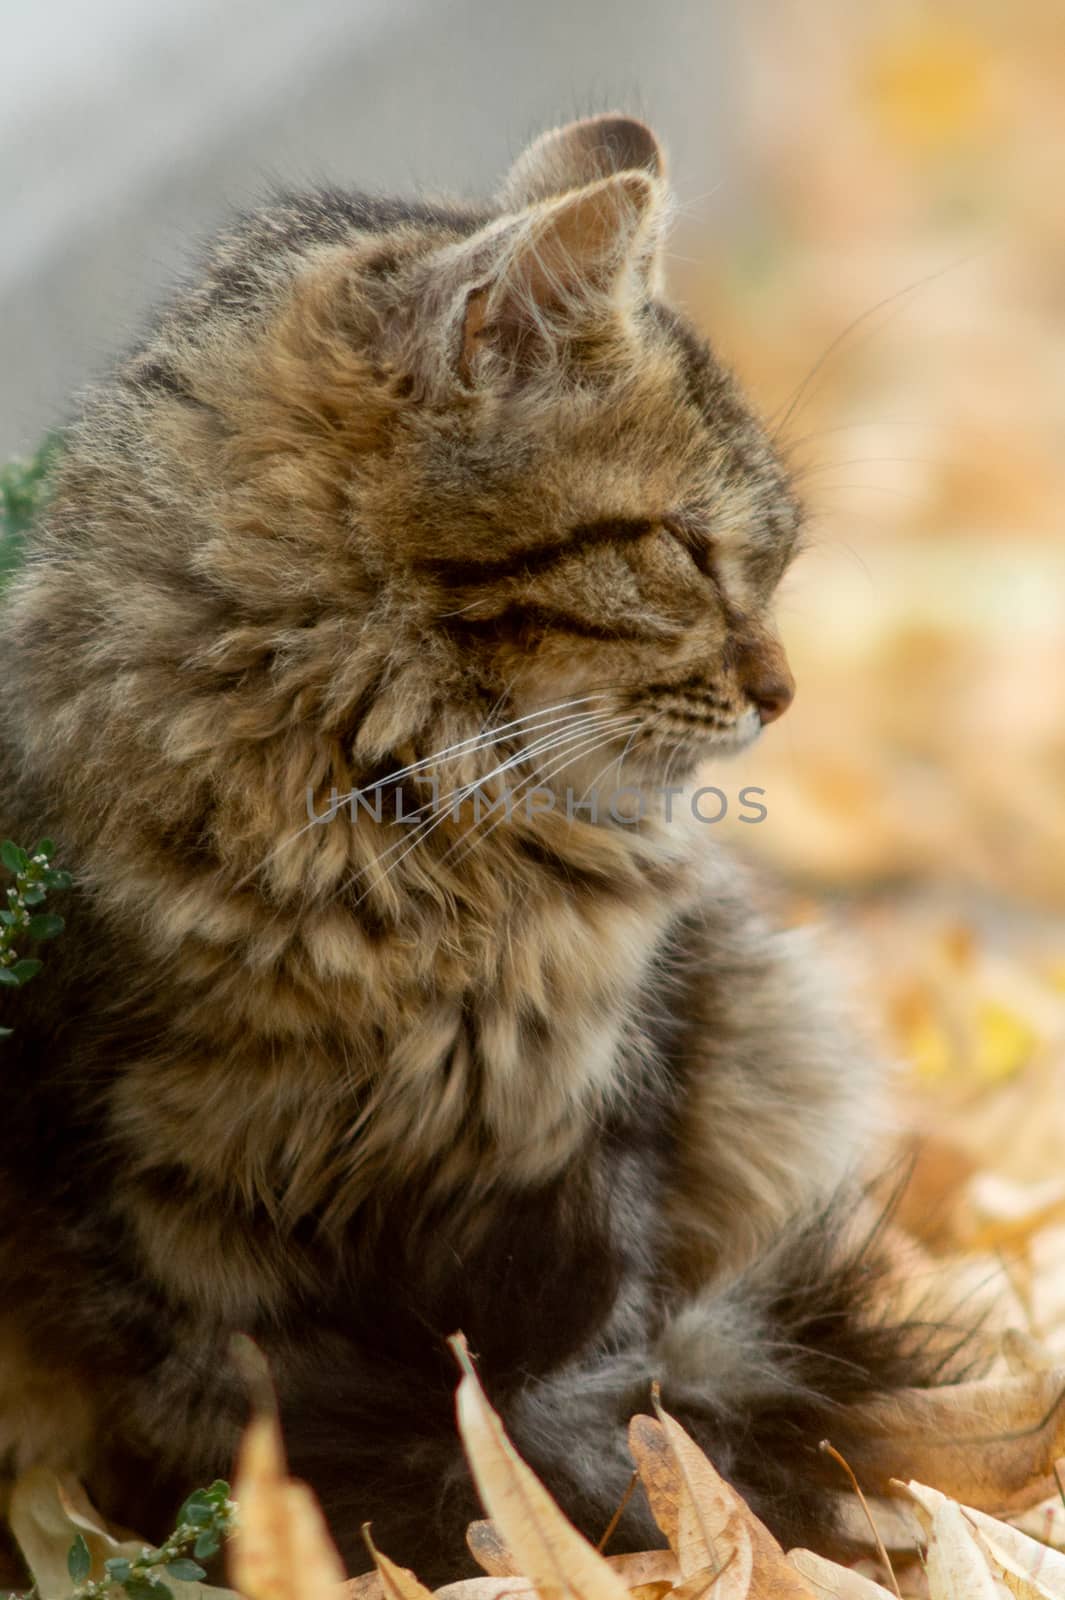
[(395, 489)]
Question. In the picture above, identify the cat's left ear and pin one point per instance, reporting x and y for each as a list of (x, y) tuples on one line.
[(585, 152), (581, 153), (560, 266), (522, 290)]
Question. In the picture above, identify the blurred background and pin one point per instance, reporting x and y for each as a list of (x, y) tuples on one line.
[(871, 229)]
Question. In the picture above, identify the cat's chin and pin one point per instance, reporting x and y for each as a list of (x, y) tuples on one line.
[(682, 758), (745, 732)]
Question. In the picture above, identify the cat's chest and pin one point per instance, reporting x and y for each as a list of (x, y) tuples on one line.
[(511, 1038), (514, 1079), (450, 1092)]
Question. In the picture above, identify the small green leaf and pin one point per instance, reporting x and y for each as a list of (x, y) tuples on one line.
[(25, 970), (139, 1588), (44, 847), (14, 859), (56, 878), (8, 978), (8, 919), (33, 894), (117, 1569), (207, 1545), (185, 1570), (79, 1561), (45, 926), (218, 1491)]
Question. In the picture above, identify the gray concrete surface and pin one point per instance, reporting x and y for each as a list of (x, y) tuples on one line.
[(127, 127)]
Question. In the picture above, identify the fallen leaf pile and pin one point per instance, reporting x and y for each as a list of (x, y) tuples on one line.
[(715, 1547)]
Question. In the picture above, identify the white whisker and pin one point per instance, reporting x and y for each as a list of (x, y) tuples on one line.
[(586, 746), (450, 802)]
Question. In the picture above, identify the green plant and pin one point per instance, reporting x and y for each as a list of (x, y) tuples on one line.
[(22, 917), (206, 1518), (23, 489)]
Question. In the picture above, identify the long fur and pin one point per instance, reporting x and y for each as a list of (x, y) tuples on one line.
[(394, 492)]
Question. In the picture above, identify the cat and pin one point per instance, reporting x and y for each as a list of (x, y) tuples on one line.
[(394, 492)]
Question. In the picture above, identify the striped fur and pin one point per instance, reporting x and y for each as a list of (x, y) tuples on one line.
[(386, 481)]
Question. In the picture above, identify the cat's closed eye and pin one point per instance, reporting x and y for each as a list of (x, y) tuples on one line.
[(695, 542)]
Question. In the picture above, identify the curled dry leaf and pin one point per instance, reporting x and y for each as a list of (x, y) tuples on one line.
[(699, 1515), (896, 1522), (659, 1475), (556, 1559), (646, 1568), (991, 1444), (728, 1580), (398, 1583), (1044, 1523), (282, 1549), (367, 1586), (489, 1550), (714, 1529), (1029, 1583), (1027, 1567), (956, 1566), (486, 1589), (835, 1582), (1025, 1354)]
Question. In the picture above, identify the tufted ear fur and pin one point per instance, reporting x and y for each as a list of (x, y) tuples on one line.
[(580, 153), (564, 268)]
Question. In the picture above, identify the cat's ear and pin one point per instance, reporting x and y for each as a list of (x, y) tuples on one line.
[(581, 153), (558, 268)]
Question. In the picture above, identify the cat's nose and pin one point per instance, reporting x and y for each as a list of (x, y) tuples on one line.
[(763, 672), (772, 697)]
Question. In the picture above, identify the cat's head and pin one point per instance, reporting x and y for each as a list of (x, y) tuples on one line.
[(590, 516), (386, 480)]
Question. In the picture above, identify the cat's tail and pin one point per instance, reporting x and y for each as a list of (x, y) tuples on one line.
[(759, 1372)]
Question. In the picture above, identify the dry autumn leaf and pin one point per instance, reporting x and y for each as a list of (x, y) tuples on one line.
[(646, 1569), (557, 1560), (715, 1530), (489, 1550), (991, 1443), (1031, 1582), (956, 1567), (282, 1549), (835, 1582), (486, 1589), (397, 1583), (681, 1484), (367, 1586), (1027, 1567), (659, 1475)]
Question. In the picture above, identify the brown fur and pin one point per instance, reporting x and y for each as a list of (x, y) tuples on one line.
[(383, 479)]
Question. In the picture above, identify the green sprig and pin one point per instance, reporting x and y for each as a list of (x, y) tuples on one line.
[(21, 917), (24, 486), (204, 1521)]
